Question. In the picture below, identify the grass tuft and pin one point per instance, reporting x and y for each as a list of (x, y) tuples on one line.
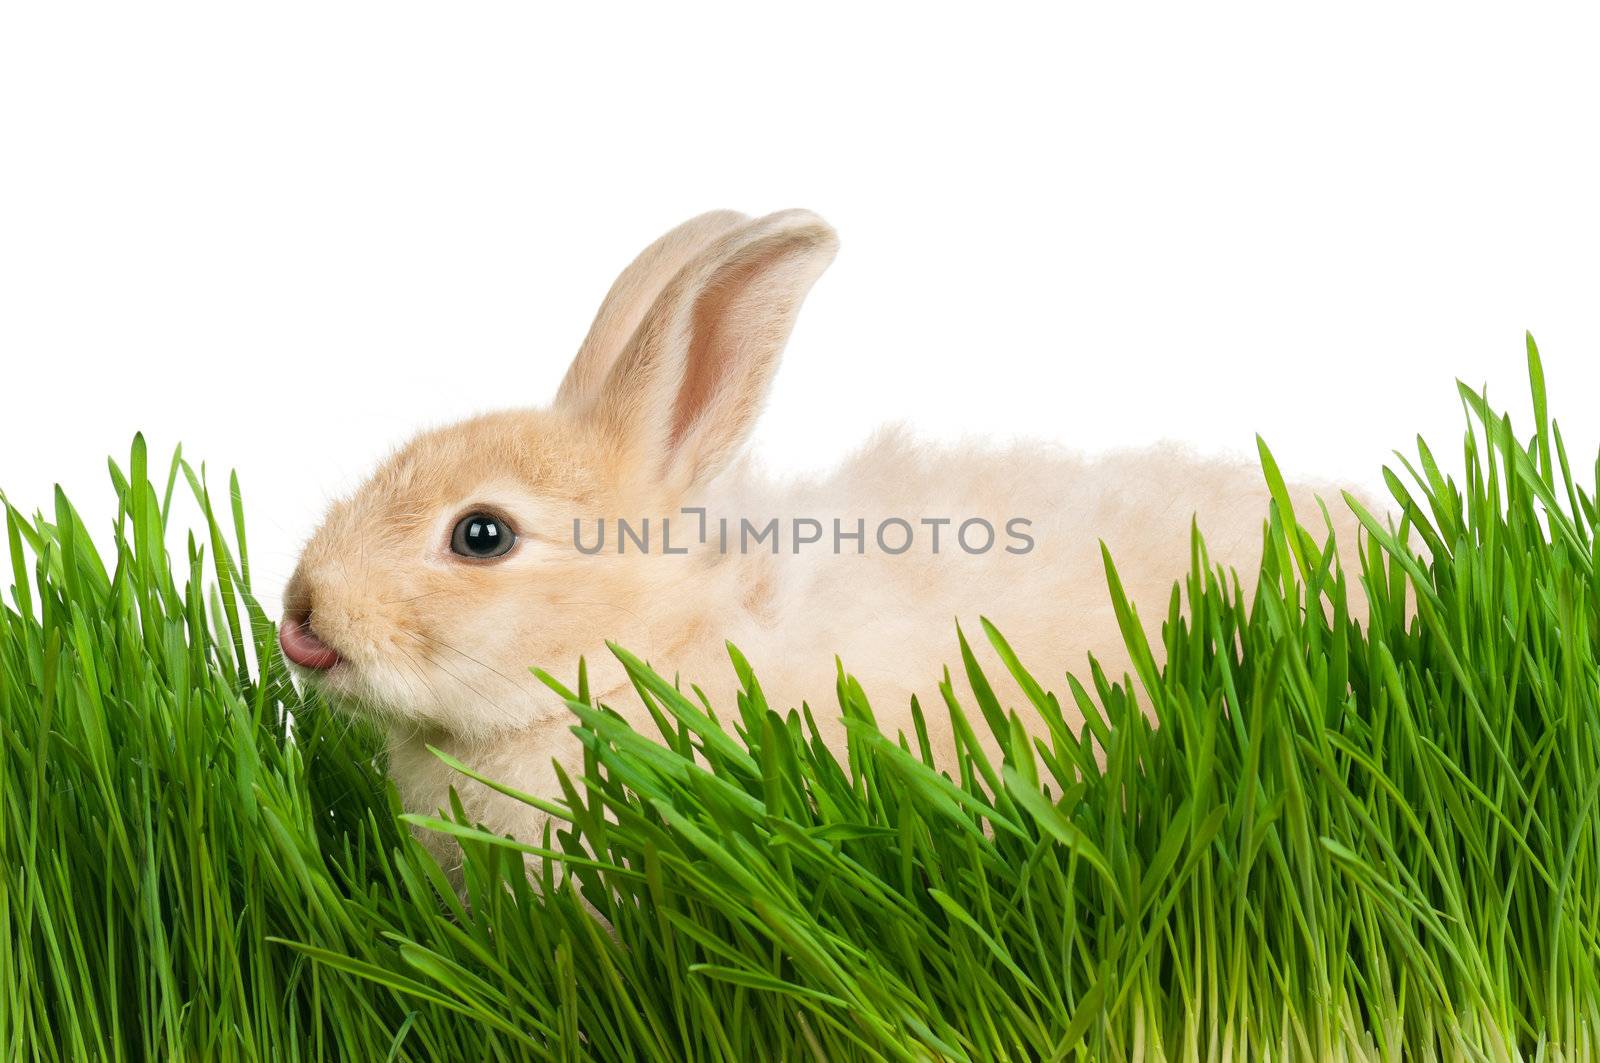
[(1338, 840)]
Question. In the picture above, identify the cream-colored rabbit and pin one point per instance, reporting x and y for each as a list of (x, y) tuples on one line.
[(476, 550)]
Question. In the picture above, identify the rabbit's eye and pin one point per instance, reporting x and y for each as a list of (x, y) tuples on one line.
[(482, 535)]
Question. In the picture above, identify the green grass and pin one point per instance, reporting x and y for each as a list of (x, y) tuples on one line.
[(1336, 842)]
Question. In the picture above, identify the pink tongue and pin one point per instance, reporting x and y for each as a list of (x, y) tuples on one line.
[(301, 645)]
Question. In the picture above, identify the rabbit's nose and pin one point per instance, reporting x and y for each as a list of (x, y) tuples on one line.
[(302, 645)]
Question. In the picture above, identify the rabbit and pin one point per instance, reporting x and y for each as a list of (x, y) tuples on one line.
[(471, 553)]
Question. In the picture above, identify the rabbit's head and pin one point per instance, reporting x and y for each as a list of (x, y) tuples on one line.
[(425, 596)]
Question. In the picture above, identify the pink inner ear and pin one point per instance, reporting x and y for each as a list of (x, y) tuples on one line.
[(727, 312)]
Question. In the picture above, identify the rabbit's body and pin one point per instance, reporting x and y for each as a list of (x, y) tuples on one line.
[(411, 626)]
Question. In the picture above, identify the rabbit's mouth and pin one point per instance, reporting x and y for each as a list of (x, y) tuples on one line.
[(302, 645)]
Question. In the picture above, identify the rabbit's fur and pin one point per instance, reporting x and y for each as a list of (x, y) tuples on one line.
[(650, 419)]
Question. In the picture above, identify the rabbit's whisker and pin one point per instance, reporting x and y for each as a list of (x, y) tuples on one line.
[(602, 605), (481, 664), (413, 598), (453, 675)]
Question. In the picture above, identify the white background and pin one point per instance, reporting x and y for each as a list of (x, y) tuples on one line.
[(290, 235)]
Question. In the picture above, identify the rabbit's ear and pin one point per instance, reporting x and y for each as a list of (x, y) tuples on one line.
[(690, 382), (631, 295)]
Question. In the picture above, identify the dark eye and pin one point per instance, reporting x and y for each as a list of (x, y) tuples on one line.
[(482, 535)]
